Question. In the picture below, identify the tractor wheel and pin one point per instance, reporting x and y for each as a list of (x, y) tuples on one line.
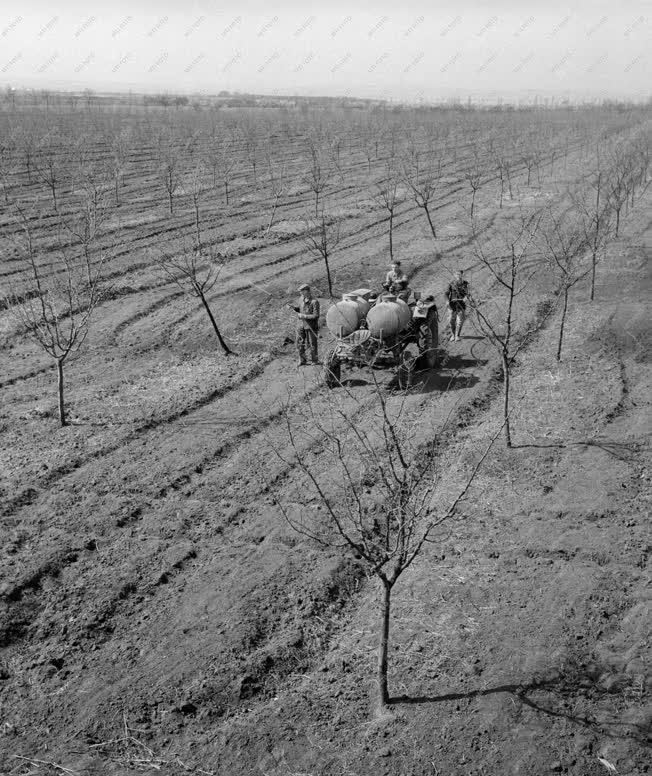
[(332, 370), (406, 368), (428, 341)]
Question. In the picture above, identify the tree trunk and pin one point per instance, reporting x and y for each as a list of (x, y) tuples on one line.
[(391, 235), (383, 646), (271, 220), (432, 226), (562, 324), (226, 191), (225, 347), (617, 221), (197, 232), (328, 275), (594, 256), (62, 408), (508, 434)]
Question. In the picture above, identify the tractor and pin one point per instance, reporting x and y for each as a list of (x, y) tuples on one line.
[(384, 331)]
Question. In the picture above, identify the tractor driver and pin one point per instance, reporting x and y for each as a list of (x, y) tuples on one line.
[(396, 281)]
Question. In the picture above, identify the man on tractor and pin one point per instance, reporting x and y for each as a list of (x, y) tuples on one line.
[(396, 281)]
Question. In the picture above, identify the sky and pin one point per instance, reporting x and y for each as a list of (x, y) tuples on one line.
[(408, 50)]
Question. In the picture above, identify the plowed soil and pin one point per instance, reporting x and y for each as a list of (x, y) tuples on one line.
[(157, 614)]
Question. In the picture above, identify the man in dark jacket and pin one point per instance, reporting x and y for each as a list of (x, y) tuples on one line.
[(456, 295), (308, 325)]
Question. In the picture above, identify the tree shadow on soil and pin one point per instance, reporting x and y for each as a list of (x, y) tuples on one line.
[(623, 451), (554, 699)]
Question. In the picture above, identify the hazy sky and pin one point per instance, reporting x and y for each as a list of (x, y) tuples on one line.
[(396, 50)]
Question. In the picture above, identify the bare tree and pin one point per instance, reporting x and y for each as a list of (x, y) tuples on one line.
[(169, 168), (119, 159), (220, 157), (503, 168), (85, 224), (506, 259), (322, 236), (565, 242), (48, 165), (195, 273), (388, 195), (28, 144), (474, 173), (278, 183), (423, 181), (250, 143), (377, 488), (316, 176), (56, 300), (196, 187), (7, 148), (528, 159), (619, 188), (335, 144), (591, 203)]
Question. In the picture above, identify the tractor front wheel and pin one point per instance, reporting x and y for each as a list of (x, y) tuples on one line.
[(332, 370), (407, 368), (428, 341)]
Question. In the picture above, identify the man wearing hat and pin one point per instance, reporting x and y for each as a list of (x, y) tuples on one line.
[(396, 281), (457, 294), (308, 315)]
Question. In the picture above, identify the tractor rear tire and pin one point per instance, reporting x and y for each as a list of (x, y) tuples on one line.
[(428, 341), (332, 370)]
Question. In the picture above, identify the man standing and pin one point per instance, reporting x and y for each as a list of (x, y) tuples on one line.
[(308, 314), (457, 293)]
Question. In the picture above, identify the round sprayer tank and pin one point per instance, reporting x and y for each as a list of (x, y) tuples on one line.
[(388, 318), (345, 316)]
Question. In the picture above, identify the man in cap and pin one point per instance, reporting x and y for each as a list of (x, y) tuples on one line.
[(456, 295), (308, 315), (395, 280)]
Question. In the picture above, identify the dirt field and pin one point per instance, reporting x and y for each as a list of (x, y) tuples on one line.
[(157, 614)]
